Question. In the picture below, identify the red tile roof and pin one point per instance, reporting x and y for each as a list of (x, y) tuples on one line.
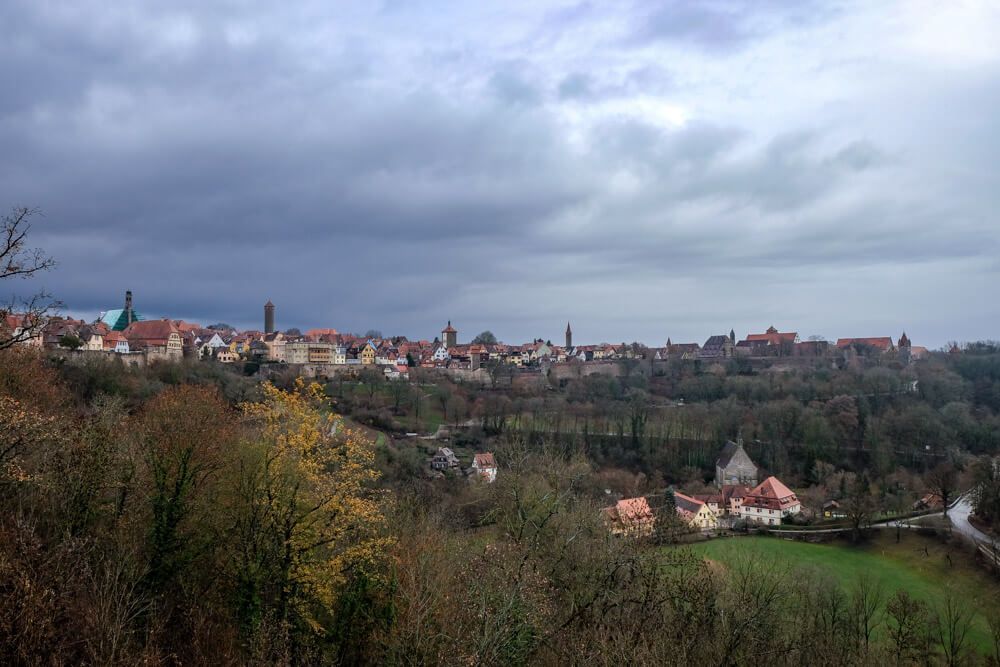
[(112, 338), (773, 337), (485, 460), (186, 326), (316, 333), (150, 332), (771, 494), (632, 510), (882, 343), (730, 491)]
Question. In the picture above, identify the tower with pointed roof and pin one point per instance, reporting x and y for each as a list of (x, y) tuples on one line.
[(732, 336), (904, 341), (569, 337), (268, 317), (449, 335)]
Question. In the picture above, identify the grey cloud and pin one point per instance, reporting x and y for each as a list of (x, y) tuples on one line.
[(725, 26), (367, 172), (512, 87), (711, 26), (576, 86), (584, 87)]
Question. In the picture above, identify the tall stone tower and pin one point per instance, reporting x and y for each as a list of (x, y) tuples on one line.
[(449, 335), (569, 337), (268, 317), (128, 308)]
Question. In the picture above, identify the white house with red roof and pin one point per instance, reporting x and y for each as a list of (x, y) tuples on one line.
[(485, 466), (115, 341), (769, 502)]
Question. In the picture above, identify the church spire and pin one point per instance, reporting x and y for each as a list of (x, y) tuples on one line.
[(569, 336)]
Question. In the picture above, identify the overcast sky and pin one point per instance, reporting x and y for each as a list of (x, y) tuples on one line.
[(642, 169)]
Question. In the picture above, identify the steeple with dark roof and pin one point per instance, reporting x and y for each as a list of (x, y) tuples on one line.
[(569, 337), (450, 335)]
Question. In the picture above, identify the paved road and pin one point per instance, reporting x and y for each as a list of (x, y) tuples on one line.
[(887, 523), (959, 516)]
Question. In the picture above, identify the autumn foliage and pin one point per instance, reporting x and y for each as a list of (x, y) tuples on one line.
[(187, 530)]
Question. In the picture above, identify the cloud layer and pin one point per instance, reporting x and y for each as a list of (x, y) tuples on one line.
[(642, 171)]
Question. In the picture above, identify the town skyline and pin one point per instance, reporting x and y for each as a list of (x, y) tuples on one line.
[(466, 335)]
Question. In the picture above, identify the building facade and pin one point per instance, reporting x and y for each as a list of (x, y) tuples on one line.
[(734, 466)]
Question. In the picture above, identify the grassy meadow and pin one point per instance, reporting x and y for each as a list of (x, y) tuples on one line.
[(923, 566)]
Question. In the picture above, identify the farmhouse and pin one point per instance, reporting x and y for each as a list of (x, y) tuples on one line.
[(630, 516), (485, 466), (444, 459), (769, 502)]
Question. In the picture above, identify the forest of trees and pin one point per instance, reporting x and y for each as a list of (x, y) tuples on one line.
[(814, 426), (184, 514)]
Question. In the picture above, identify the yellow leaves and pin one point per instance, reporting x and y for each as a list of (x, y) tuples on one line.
[(318, 476)]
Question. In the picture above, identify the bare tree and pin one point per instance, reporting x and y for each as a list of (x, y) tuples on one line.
[(860, 506), (21, 318), (866, 609), (907, 627), (943, 481), (994, 622), (951, 628)]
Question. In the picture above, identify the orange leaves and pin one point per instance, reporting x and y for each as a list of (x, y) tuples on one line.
[(25, 376), (22, 431)]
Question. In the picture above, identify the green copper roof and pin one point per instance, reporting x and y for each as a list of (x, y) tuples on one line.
[(117, 319)]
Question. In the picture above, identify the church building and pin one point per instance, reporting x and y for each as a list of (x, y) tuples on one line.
[(118, 319), (734, 466)]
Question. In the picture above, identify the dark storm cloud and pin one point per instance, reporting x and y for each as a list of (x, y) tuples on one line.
[(400, 166)]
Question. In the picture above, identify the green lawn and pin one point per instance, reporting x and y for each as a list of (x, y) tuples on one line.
[(928, 576)]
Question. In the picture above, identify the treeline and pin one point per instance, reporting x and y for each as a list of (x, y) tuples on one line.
[(876, 418)]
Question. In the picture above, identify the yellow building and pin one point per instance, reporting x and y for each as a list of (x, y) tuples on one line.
[(368, 354), (696, 513)]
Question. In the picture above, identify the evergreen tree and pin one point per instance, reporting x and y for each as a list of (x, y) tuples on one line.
[(669, 526)]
